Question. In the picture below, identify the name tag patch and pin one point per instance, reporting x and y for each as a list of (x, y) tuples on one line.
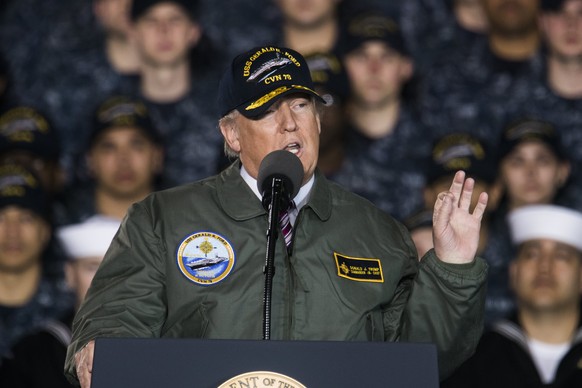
[(359, 269)]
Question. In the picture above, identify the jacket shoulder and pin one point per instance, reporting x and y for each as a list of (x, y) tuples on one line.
[(183, 193), (358, 205)]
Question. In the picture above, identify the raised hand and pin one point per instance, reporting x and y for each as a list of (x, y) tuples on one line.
[(455, 228)]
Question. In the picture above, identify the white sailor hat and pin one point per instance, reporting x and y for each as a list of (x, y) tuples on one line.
[(546, 221), (90, 238)]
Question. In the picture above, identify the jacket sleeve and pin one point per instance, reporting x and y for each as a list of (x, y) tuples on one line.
[(446, 307), (126, 297)]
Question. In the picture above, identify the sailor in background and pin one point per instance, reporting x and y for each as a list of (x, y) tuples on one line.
[(38, 359)]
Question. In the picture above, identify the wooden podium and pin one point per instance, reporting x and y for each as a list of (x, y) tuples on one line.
[(196, 363)]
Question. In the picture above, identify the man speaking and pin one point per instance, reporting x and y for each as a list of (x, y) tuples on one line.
[(188, 262)]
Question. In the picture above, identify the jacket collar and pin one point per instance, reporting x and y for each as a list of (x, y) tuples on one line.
[(320, 198), (236, 197), (240, 203)]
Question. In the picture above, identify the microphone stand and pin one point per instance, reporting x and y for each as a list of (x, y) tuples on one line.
[(269, 269)]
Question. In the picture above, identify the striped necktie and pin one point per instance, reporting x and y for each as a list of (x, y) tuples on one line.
[(286, 228)]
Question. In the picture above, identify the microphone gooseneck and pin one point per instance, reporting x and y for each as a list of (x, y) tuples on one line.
[(279, 179)]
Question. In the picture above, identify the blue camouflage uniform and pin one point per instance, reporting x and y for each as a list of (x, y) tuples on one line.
[(536, 100), (388, 171), (35, 34), (192, 141), (51, 301), (430, 27), (71, 101), (498, 253), (467, 91), (241, 25), (58, 65), (78, 205)]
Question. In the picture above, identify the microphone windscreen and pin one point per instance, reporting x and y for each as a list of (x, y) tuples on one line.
[(281, 164)]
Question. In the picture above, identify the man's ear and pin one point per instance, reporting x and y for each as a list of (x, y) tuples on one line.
[(543, 24), (229, 131), (564, 170), (158, 160), (495, 192), (406, 69), (46, 233), (97, 8), (195, 34)]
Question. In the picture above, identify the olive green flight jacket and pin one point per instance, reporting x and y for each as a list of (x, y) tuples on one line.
[(188, 262)]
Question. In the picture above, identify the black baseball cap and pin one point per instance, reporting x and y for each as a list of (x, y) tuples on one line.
[(327, 73), (259, 77), (420, 219), (123, 111), (552, 5), (373, 25), (461, 151), (524, 130), (139, 7), (20, 187), (25, 128)]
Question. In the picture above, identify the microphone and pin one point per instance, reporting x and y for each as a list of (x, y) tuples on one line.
[(279, 179), (284, 166)]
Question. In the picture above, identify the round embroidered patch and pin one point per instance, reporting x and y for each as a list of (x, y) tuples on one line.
[(205, 258)]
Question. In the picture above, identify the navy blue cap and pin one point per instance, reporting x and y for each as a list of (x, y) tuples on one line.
[(524, 130), (462, 151), (420, 219), (373, 25), (328, 75), (24, 128), (139, 7), (123, 111), (20, 187), (552, 5), (259, 77)]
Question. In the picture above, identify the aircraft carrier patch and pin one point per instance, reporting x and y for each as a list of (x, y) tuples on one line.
[(205, 258)]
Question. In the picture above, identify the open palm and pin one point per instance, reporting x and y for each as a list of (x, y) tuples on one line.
[(455, 228)]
